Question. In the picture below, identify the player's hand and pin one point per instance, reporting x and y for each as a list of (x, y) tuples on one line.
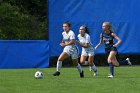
[(115, 45), (78, 42), (95, 48), (62, 44)]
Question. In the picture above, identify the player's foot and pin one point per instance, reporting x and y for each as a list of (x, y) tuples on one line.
[(82, 74), (56, 73), (95, 73), (110, 76), (129, 63)]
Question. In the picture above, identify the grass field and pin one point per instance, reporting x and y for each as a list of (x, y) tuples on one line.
[(126, 80)]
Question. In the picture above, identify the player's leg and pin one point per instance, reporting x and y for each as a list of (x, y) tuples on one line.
[(115, 61), (63, 56), (74, 56), (78, 66), (92, 65), (83, 59), (125, 62), (111, 66)]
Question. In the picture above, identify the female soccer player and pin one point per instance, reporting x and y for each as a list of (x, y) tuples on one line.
[(110, 47), (68, 43), (87, 48)]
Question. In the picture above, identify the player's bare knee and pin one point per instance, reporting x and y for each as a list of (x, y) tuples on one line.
[(109, 60), (60, 59), (82, 62)]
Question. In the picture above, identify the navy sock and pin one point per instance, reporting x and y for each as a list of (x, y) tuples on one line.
[(123, 62), (111, 67)]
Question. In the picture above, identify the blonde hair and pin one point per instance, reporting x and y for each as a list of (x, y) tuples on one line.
[(108, 24)]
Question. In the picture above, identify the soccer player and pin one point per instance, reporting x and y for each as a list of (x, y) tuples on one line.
[(87, 48), (68, 43), (110, 47)]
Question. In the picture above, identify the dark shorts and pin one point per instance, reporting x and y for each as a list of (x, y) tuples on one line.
[(107, 50)]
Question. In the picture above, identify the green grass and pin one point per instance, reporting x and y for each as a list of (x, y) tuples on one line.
[(126, 80)]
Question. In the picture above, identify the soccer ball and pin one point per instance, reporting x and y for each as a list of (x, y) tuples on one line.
[(38, 75)]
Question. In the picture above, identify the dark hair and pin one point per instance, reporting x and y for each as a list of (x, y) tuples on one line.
[(68, 23), (85, 28)]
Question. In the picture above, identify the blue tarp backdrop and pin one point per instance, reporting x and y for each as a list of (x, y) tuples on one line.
[(24, 54), (123, 14)]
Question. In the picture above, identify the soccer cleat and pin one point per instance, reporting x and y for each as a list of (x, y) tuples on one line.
[(96, 73), (82, 74), (110, 76), (56, 73), (129, 63)]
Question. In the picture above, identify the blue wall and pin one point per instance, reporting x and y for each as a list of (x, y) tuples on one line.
[(24, 54), (123, 14)]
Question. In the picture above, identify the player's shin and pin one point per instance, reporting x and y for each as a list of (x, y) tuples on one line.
[(111, 67), (59, 65)]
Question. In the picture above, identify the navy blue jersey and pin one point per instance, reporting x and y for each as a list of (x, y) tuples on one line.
[(108, 39)]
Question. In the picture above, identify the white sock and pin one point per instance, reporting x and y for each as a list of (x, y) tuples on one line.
[(94, 68), (59, 65), (79, 68)]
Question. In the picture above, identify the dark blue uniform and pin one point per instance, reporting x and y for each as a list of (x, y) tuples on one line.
[(108, 41)]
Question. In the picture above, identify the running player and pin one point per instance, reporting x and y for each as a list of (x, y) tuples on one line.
[(110, 47), (68, 43), (87, 48)]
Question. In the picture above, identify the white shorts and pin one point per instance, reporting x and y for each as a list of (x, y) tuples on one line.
[(89, 52), (73, 52)]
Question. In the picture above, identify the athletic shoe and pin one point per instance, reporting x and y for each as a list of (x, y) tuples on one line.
[(82, 74), (110, 76), (56, 73), (129, 63), (95, 73)]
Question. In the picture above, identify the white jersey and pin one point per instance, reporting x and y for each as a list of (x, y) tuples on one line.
[(67, 37), (85, 39), (86, 51), (71, 50)]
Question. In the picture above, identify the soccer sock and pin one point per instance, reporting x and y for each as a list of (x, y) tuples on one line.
[(79, 68), (111, 67), (123, 62), (94, 68), (59, 65)]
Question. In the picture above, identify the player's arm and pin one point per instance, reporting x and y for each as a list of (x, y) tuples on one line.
[(66, 44), (70, 43), (85, 45), (99, 44), (118, 39), (62, 41)]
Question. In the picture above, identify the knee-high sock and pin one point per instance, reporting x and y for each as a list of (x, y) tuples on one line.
[(94, 68), (59, 65), (123, 62), (79, 68), (111, 67)]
